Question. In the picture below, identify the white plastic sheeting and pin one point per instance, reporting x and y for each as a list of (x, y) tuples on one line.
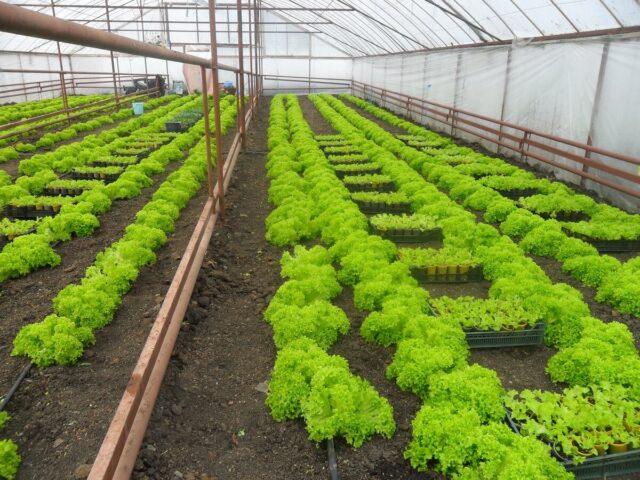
[(546, 86), (363, 27)]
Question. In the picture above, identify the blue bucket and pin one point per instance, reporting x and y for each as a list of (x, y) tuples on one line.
[(138, 108)]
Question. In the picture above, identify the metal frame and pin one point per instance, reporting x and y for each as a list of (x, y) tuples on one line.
[(122, 442), (352, 25)]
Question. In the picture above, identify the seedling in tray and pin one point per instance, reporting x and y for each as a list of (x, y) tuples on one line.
[(139, 153), (406, 228), (348, 159), (594, 431), (343, 170), (607, 236), (368, 182), (342, 150), (561, 206), (35, 207), (108, 174), (376, 202), (114, 161), (71, 187), (10, 229), (445, 265)]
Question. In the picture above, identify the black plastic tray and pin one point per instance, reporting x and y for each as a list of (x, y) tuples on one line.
[(602, 466), (474, 274), (566, 216), (409, 236), (65, 192), (368, 187), (337, 161), (498, 339), (341, 174), (30, 211), (374, 207), (179, 126), (606, 246), (106, 177), (515, 194)]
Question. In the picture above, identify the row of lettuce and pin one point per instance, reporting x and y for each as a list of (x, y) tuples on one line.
[(306, 381), (78, 215), (24, 110), (87, 120), (431, 353), (81, 308), (451, 168), (591, 352), (593, 355)]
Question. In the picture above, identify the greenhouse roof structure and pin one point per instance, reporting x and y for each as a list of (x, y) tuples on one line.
[(355, 27)]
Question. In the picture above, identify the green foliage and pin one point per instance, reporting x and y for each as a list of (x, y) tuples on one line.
[(472, 388), (420, 222), (582, 421), (54, 340), (475, 313), (415, 363), (426, 257), (9, 459)]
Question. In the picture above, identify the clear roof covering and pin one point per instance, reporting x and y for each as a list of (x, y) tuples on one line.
[(356, 27)]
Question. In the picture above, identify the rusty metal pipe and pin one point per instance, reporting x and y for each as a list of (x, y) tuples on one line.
[(207, 130), (23, 21), (216, 103)]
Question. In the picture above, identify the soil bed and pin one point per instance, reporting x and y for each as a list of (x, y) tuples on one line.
[(60, 414)]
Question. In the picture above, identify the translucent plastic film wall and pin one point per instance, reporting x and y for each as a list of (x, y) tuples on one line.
[(584, 90)]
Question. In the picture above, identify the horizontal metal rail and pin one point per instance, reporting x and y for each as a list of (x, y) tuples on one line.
[(22, 21), (520, 140), (66, 118)]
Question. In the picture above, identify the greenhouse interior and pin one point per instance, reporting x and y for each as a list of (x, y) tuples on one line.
[(319, 239)]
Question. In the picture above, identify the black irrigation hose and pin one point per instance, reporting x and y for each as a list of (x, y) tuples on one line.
[(333, 462), (15, 386)]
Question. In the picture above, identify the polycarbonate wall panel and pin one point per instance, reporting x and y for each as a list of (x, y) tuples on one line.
[(549, 87)]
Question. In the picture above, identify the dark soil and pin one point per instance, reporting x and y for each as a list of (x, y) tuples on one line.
[(214, 387), (60, 414)]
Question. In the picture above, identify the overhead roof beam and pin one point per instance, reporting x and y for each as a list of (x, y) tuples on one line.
[(381, 23), (187, 6), (320, 15), (22, 21), (333, 38), (476, 28)]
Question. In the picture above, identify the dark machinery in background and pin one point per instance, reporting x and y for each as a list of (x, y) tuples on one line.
[(146, 83)]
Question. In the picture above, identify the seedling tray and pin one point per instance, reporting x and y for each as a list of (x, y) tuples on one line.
[(66, 192), (499, 339), (609, 246), (515, 194), (566, 216), (339, 160), (601, 466), (374, 207), (368, 187), (178, 126), (410, 236), (450, 274), (110, 163), (106, 177), (31, 211), (124, 153), (373, 170)]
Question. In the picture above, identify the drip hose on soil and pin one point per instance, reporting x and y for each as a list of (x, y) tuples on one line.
[(15, 386), (333, 463)]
